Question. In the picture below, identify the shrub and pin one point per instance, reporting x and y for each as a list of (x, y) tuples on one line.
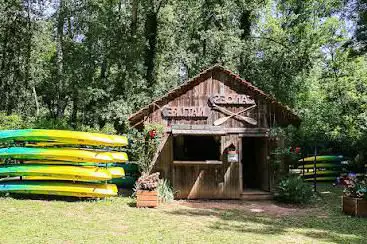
[(50, 123), (13, 121), (292, 189), (165, 191)]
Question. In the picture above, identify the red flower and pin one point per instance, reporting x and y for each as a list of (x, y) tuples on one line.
[(152, 134)]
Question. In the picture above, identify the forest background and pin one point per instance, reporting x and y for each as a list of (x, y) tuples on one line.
[(88, 64)]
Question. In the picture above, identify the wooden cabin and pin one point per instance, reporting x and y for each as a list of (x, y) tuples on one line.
[(216, 144)]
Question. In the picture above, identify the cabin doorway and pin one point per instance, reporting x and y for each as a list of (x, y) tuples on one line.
[(255, 170)]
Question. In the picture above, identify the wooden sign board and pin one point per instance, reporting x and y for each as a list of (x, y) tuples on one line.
[(235, 99), (187, 112)]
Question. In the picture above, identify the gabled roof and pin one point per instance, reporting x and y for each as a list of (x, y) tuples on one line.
[(178, 91)]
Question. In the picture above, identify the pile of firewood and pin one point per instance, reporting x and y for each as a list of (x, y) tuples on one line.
[(148, 182)]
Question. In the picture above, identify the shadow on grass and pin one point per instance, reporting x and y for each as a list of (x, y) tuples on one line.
[(323, 223), (125, 192), (326, 229), (121, 193), (49, 198)]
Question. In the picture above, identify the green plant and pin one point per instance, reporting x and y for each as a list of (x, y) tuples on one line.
[(355, 186), (276, 158), (13, 121), (144, 145), (276, 132), (51, 123), (292, 189), (148, 182), (165, 191)]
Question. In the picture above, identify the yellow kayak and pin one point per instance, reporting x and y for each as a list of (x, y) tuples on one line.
[(332, 158), (73, 173), (63, 137), (62, 154), (45, 144), (324, 178), (115, 172), (60, 188), (58, 163), (53, 178)]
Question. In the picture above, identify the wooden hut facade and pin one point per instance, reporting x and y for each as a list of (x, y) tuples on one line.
[(216, 143)]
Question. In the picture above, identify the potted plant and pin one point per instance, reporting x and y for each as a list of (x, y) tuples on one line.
[(355, 196), (146, 190)]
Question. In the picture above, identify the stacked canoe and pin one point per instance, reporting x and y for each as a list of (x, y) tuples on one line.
[(64, 163), (328, 167)]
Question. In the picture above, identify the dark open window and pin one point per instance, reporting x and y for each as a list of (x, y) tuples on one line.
[(196, 148)]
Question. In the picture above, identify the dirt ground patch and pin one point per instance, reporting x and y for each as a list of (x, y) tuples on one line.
[(270, 208)]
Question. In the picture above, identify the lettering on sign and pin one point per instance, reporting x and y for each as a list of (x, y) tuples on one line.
[(232, 99), (193, 112)]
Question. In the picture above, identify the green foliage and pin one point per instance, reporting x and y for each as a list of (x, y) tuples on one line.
[(50, 123), (63, 124), (85, 64), (165, 191), (334, 111), (292, 189), (142, 147), (13, 121)]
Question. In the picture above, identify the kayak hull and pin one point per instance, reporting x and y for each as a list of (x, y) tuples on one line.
[(125, 182), (322, 158), (116, 172), (325, 178), (322, 172), (73, 173), (63, 137), (60, 189), (128, 167), (62, 154), (321, 165)]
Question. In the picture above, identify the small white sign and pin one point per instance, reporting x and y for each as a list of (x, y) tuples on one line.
[(232, 157)]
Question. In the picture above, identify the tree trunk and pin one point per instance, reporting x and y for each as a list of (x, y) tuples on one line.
[(59, 61), (134, 16), (245, 26), (74, 113), (151, 34), (28, 77)]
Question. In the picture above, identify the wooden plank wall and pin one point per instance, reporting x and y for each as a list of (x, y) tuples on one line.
[(164, 160), (217, 83), (231, 171), (209, 181)]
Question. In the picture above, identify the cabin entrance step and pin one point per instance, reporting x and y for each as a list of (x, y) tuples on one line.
[(255, 194)]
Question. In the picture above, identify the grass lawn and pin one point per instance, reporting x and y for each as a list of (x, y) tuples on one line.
[(115, 220)]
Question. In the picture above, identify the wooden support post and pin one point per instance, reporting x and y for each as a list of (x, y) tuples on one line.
[(240, 163), (303, 165), (314, 170)]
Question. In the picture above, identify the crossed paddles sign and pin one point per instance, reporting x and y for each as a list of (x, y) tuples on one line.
[(231, 114)]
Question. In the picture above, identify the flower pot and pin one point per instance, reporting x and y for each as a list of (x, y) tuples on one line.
[(354, 206), (146, 199)]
